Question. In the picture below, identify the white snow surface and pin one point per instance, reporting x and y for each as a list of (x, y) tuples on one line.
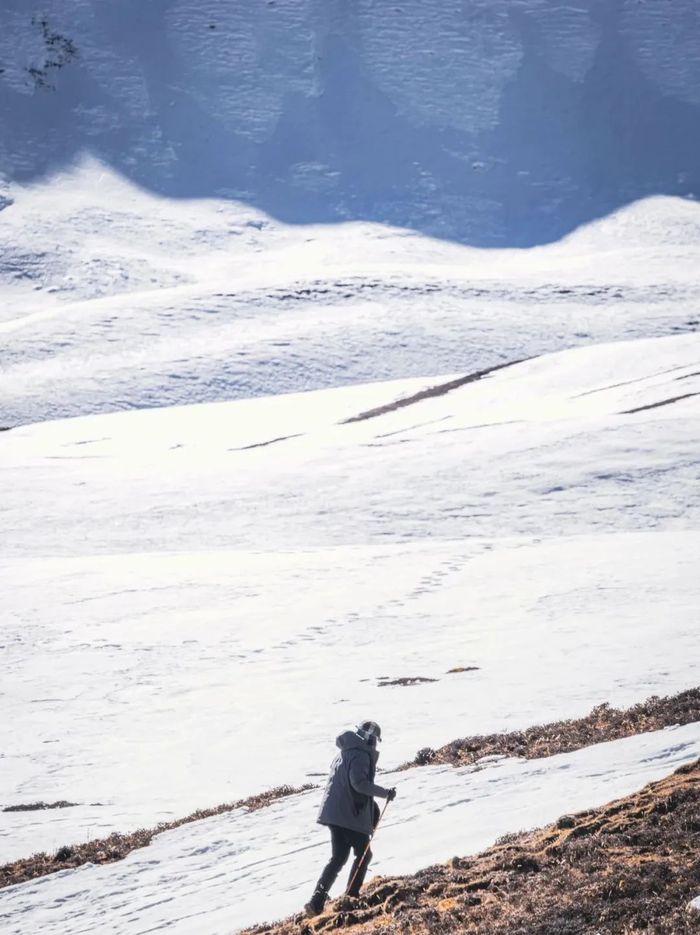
[(112, 298), (490, 122), (193, 618), (597, 439), (197, 598), (221, 874)]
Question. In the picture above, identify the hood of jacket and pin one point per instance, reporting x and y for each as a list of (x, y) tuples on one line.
[(349, 740)]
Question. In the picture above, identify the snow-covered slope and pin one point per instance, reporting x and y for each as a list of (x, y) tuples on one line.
[(312, 458), (201, 597), (111, 298), (494, 122), (228, 872), (601, 438)]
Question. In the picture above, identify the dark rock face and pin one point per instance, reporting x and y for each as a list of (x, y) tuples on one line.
[(491, 122)]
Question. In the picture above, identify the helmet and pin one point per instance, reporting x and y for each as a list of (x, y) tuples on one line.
[(369, 730)]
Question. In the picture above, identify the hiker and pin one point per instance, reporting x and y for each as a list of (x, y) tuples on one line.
[(349, 810)]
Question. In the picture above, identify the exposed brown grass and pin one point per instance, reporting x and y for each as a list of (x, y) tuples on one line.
[(628, 868), (441, 389), (404, 680), (39, 806), (117, 846), (602, 724)]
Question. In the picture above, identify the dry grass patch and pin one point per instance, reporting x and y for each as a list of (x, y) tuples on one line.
[(117, 846), (602, 724)]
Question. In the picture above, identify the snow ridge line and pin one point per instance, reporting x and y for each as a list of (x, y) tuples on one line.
[(603, 724)]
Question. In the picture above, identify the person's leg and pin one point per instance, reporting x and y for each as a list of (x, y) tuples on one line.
[(340, 851), (363, 855)]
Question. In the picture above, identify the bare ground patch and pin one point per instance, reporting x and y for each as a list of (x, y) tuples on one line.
[(440, 389), (663, 402), (602, 724), (404, 680), (39, 806), (117, 846)]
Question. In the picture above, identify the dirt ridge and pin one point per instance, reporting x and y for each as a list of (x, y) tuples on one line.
[(116, 846), (602, 724)]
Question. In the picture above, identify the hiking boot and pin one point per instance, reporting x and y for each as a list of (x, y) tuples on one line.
[(315, 905)]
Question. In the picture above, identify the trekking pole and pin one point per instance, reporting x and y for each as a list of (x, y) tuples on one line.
[(371, 837)]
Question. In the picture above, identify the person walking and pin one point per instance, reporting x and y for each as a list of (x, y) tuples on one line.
[(349, 810)]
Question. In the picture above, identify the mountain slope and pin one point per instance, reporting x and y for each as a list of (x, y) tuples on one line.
[(542, 513), (219, 875), (499, 123), (112, 299), (630, 866)]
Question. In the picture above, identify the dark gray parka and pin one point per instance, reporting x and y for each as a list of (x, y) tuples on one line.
[(347, 799)]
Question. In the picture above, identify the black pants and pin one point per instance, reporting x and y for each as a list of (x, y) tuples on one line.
[(342, 842)]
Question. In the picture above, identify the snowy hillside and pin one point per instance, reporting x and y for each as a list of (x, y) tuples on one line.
[(492, 122), (197, 557), (199, 597), (349, 367), (113, 299), (222, 874)]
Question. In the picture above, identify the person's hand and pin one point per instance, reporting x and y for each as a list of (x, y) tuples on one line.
[(392, 795)]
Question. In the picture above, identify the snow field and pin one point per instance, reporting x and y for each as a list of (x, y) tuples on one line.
[(111, 298), (200, 597), (193, 618), (237, 480)]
